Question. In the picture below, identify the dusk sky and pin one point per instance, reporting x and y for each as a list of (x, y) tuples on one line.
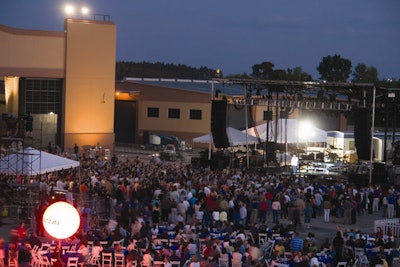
[(234, 35)]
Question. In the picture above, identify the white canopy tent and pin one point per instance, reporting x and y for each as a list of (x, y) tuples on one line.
[(235, 137), (297, 132), (31, 161)]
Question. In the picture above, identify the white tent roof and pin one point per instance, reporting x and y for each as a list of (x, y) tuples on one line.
[(31, 161), (297, 132), (235, 137)]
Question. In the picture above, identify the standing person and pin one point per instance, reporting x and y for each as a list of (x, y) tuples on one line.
[(28, 125), (22, 231), (263, 206), (308, 212), (294, 162), (327, 208), (269, 197), (392, 200), (243, 213), (384, 206), (254, 209), (377, 197), (319, 200), (76, 151), (276, 210), (347, 206)]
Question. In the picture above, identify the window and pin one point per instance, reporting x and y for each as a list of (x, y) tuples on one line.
[(153, 112), (195, 114), (43, 96), (174, 113)]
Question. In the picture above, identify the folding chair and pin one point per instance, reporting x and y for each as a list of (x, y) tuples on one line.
[(72, 261), (119, 259), (12, 258), (223, 262), (34, 256), (158, 263), (262, 238), (269, 248), (106, 259), (44, 261), (94, 259)]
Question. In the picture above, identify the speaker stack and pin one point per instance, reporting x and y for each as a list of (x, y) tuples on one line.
[(218, 123), (362, 133)]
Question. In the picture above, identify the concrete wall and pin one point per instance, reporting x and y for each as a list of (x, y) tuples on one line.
[(90, 83), (31, 53)]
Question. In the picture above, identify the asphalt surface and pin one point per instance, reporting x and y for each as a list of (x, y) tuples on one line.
[(318, 227)]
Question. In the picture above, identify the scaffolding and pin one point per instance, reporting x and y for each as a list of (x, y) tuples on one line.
[(18, 160)]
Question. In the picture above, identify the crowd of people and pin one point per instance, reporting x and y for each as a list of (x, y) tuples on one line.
[(212, 214)]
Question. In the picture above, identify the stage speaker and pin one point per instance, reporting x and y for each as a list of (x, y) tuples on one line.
[(362, 133), (283, 114), (218, 123), (267, 115)]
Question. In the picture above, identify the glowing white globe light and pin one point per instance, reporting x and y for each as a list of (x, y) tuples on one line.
[(61, 220), (85, 10), (69, 10)]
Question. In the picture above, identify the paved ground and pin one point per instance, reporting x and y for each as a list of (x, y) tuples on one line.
[(321, 230)]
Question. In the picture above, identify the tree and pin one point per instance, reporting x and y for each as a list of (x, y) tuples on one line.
[(334, 69), (297, 74), (265, 70), (365, 74)]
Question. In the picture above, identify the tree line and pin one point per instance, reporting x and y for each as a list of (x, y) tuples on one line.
[(331, 69)]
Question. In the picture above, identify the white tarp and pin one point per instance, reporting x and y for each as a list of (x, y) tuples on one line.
[(235, 137), (297, 132), (31, 161)]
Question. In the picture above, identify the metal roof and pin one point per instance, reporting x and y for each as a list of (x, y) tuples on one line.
[(192, 85)]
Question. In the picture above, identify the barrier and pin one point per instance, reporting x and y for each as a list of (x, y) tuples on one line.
[(388, 225)]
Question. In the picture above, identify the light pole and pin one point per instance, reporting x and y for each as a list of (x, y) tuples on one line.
[(371, 155)]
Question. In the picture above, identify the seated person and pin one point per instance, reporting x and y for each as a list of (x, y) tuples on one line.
[(280, 248), (84, 251), (24, 255), (57, 255)]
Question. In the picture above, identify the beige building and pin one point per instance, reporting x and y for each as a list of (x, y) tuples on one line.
[(162, 109), (65, 79)]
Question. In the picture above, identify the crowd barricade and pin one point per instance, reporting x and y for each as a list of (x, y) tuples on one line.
[(20, 212), (388, 225)]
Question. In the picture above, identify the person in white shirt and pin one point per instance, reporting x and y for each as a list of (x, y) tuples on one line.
[(236, 258), (96, 249), (60, 184), (147, 259), (215, 217), (294, 163), (194, 262), (313, 260), (84, 251)]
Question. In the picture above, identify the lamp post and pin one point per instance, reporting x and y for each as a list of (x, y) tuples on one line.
[(387, 96), (371, 155)]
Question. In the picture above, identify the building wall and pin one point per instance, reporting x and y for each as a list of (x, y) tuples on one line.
[(89, 83), (164, 98), (31, 53), (184, 128), (84, 55)]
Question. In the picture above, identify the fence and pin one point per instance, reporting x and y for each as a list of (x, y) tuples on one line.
[(20, 212), (388, 225)]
